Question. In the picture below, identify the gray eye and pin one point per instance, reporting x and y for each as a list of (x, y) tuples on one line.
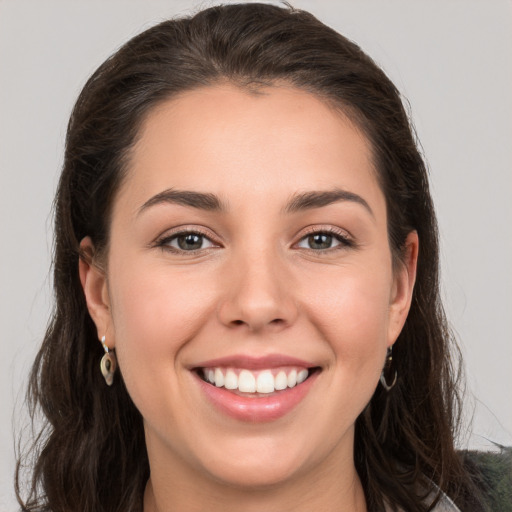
[(190, 242), (319, 241)]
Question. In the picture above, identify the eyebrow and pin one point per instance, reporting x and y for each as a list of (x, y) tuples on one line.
[(317, 199), (200, 200), (211, 202)]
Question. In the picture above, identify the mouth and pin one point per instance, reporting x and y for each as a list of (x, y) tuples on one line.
[(257, 383), (255, 389)]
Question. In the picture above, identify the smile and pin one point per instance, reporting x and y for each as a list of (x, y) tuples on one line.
[(255, 389), (249, 381)]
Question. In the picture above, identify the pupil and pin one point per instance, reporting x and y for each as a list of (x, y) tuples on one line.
[(320, 241), (190, 241)]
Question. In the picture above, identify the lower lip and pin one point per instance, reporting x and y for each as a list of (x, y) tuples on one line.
[(257, 409)]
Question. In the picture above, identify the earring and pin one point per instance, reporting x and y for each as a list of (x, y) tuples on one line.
[(108, 364), (386, 371)]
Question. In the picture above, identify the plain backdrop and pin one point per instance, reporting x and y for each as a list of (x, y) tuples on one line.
[(451, 59)]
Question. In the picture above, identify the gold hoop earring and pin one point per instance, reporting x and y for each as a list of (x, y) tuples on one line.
[(387, 371), (108, 364)]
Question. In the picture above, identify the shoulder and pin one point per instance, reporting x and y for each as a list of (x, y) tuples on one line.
[(492, 474), (442, 502), (445, 504)]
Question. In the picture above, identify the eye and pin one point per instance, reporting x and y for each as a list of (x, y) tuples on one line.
[(323, 240), (187, 241)]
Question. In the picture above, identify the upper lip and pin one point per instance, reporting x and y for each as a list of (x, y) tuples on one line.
[(255, 363)]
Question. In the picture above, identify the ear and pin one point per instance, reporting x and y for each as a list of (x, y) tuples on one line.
[(94, 284), (403, 286)]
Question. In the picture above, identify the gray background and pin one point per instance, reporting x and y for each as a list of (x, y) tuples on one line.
[(451, 59)]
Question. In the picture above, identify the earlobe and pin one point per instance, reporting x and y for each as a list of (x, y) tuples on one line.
[(405, 277), (94, 285)]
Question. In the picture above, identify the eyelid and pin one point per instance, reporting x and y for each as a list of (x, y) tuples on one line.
[(343, 236), (170, 234)]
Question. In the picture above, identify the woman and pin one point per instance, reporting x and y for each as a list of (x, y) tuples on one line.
[(246, 275)]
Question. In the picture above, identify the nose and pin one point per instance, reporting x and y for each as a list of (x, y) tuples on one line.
[(258, 294)]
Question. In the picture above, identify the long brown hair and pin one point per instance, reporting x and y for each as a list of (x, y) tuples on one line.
[(90, 454)]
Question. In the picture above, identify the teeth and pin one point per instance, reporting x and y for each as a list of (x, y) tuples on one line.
[(292, 378), (265, 381), (301, 376), (231, 380), (281, 381), (219, 378), (246, 382)]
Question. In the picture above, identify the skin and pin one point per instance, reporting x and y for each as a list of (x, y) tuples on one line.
[(256, 287)]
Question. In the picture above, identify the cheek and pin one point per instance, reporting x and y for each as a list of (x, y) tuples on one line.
[(154, 316), (353, 314)]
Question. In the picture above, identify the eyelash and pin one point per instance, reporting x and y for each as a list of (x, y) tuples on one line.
[(164, 242), (345, 242)]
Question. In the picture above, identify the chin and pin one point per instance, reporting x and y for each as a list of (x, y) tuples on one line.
[(254, 477), (258, 465)]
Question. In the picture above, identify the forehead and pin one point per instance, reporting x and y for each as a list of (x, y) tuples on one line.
[(233, 142)]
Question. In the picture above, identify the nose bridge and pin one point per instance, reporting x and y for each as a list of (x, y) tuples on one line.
[(258, 294)]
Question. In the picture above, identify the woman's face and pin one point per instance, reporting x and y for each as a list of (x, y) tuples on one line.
[(249, 247)]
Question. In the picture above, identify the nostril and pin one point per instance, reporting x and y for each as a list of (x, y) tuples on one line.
[(275, 322)]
